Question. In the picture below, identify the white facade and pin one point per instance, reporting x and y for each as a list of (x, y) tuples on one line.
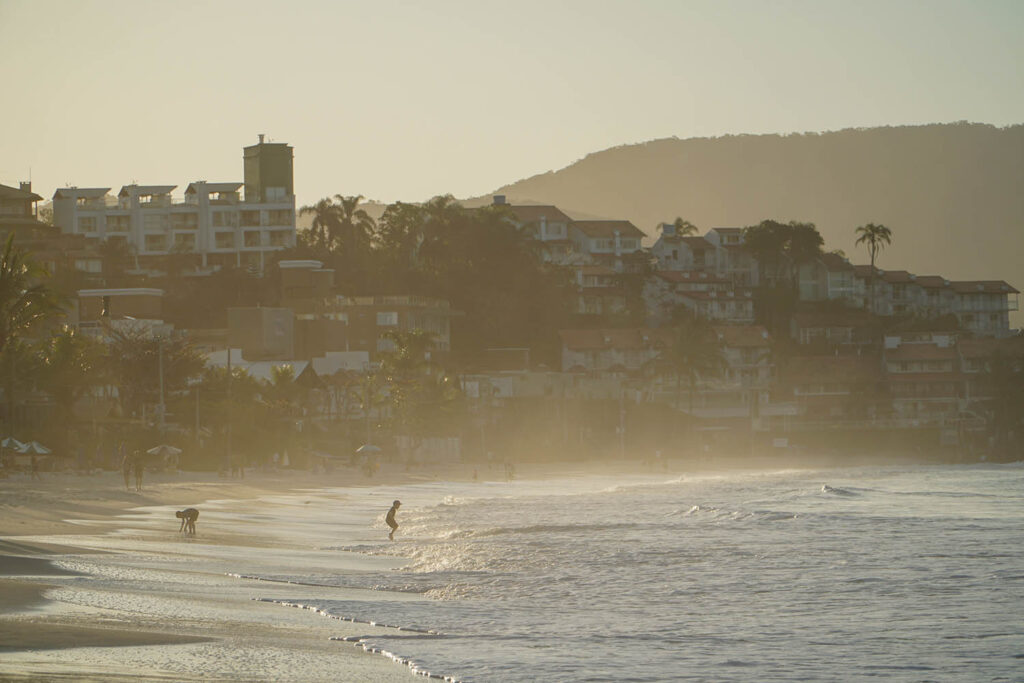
[(211, 221)]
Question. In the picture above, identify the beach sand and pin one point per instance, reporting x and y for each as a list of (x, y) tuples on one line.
[(73, 605)]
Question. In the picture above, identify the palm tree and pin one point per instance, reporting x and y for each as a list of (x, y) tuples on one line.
[(355, 227), (684, 227), (695, 352), (24, 297), (325, 222), (875, 237)]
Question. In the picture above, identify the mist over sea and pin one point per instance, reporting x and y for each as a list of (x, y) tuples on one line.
[(905, 574)]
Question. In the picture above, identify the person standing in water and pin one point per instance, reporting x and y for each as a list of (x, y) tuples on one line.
[(390, 519), (126, 470)]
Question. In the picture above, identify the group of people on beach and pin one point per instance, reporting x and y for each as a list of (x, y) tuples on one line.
[(188, 518)]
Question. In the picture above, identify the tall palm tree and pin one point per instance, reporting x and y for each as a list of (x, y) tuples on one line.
[(325, 222), (354, 226), (684, 227), (25, 298), (695, 352), (875, 237)]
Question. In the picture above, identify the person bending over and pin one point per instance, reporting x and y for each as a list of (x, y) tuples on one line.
[(390, 519), (188, 518)]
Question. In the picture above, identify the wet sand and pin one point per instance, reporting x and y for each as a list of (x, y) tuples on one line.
[(195, 623)]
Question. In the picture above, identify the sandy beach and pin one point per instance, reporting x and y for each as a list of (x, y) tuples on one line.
[(79, 601)]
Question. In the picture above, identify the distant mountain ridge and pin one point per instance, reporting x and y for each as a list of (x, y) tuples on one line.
[(953, 194)]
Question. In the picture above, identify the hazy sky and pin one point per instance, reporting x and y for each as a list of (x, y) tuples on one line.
[(405, 100)]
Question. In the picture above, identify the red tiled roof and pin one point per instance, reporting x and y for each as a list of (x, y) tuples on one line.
[(608, 228), (897, 277), (982, 286), (932, 281), (738, 336), (727, 230), (7, 192), (529, 213), (615, 338), (835, 262), (920, 352), (831, 369), (695, 242), (864, 271), (987, 346)]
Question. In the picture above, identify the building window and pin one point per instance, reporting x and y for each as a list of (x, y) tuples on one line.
[(88, 265), (279, 217), (225, 219), (87, 224), (280, 238), (154, 221), (252, 238), (387, 319), (225, 240), (250, 218), (117, 223), (184, 221), (185, 242), (155, 243), (385, 345)]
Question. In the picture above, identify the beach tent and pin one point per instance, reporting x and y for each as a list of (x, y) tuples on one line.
[(11, 443), (163, 450), (168, 454), (34, 447), (368, 449)]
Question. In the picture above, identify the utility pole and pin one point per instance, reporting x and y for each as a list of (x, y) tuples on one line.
[(160, 365), (229, 411)]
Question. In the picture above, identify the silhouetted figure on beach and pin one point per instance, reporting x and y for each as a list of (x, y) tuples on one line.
[(138, 466), (35, 467), (188, 518), (126, 470), (390, 519)]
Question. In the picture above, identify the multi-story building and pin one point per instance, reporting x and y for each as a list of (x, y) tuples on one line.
[(733, 260), (615, 243), (370, 317), (547, 224), (923, 375), (212, 221), (683, 252), (613, 349), (664, 290)]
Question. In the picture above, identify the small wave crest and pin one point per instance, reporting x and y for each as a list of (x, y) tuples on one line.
[(835, 491)]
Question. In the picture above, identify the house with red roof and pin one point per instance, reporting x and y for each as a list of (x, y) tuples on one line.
[(616, 243), (611, 349)]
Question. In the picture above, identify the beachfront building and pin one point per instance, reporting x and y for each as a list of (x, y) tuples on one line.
[(368, 318), (683, 252), (733, 261), (663, 292), (612, 349), (545, 223), (923, 377), (103, 311), (615, 243), (599, 293), (212, 221)]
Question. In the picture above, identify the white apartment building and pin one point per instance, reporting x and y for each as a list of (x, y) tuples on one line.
[(212, 220)]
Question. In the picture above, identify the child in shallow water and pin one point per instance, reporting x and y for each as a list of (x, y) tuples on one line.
[(188, 518)]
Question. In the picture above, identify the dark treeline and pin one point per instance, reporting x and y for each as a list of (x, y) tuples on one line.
[(476, 259)]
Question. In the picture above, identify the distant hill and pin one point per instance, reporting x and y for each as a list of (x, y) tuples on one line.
[(953, 194)]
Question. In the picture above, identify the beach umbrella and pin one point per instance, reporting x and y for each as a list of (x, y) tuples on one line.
[(12, 443), (35, 447), (368, 449), (163, 450)]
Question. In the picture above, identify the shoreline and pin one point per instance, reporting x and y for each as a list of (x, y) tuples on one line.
[(48, 631), (44, 634)]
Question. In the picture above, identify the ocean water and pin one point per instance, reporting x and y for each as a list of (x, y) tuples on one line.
[(897, 574)]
